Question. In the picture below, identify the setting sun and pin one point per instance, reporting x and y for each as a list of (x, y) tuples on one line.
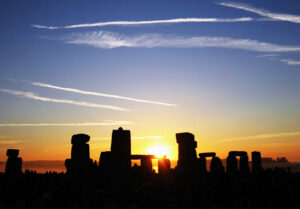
[(158, 151)]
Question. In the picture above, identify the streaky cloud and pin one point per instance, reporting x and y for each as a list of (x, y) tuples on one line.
[(145, 22), (109, 40), (262, 12), (263, 136), (31, 95), (107, 123), (268, 55), (290, 62), (11, 142), (99, 94)]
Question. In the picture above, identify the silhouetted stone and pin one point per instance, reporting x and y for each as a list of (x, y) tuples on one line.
[(146, 161), (164, 166), (202, 160), (106, 161), (216, 166), (80, 139), (231, 165), (187, 157), (256, 163), (121, 149), (13, 167), (80, 164)]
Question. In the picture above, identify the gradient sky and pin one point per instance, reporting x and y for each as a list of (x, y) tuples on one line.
[(231, 76)]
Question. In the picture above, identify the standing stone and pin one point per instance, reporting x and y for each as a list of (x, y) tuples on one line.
[(244, 164), (231, 165), (164, 166), (80, 164), (13, 166), (187, 157), (121, 149), (256, 163), (216, 166)]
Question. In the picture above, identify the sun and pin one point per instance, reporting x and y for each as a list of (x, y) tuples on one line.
[(158, 151)]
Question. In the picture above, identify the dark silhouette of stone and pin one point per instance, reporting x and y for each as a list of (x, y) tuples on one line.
[(13, 167), (216, 166), (256, 163), (187, 157), (121, 149), (202, 160), (164, 166), (80, 139), (232, 166), (80, 164), (146, 161)]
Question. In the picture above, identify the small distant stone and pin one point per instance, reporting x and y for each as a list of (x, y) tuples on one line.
[(80, 139)]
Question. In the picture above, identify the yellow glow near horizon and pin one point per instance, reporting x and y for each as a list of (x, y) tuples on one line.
[(159, 151)]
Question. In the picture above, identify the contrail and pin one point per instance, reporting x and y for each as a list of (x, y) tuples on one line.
[(146, 22), (98, 94), (31, 95), (262, 12), (113, 123)]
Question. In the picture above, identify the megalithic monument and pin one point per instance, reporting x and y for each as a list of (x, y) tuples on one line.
[(256, 163), (13, 166), (80, 164), (121, 149), (187, 156)]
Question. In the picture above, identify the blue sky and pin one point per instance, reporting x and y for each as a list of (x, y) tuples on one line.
[(231, 77)]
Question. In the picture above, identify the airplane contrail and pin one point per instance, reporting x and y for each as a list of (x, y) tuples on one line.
[(45, 85), (145, 22), (31, 95)]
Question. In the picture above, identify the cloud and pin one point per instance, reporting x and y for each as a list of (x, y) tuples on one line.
[(10, 142), (262, 12), (268, 55), (290, 62), (108, 40), (146, 22), (98, 94), (107, 123), (263, 136), (31, 95)]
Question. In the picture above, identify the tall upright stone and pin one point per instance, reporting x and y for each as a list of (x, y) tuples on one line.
[(256, 163), (187, 157), (164, 166), (216, 166), (121, 149), (13, 167), (244, 163), (80, 164), (231, 165)]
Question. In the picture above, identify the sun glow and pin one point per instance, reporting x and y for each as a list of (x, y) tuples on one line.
[(158, 151)]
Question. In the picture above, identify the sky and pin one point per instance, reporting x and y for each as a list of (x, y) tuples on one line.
[(226, 71)]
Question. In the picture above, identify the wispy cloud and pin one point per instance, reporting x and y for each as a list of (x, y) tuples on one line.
[(106, 123), (262, 12), (108, 40), (146, 22), (10, 142), (268, 55), (263, 136), (99, 94), (290, 62), (31, 95)]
